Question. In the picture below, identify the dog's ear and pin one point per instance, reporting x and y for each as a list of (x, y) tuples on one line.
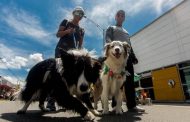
[(101, 59), (127, 48), (95, 62), (96, 68), (106, 48)]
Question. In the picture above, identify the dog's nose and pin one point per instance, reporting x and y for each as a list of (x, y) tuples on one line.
[(83, 87), (117, 50)]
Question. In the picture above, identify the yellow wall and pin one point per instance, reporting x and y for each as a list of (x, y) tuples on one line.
[(162, 90)]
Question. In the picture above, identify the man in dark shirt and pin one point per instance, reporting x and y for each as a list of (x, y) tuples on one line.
[(70, 33)]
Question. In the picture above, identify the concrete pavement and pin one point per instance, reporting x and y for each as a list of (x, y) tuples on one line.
[(154, 113)]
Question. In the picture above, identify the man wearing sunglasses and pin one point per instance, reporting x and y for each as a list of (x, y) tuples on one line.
[(70, 33), (71, 37)]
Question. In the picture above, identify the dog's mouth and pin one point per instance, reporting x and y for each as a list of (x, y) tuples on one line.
[(117, 55)]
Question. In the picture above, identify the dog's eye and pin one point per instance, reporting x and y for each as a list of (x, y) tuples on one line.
[(112, 46)]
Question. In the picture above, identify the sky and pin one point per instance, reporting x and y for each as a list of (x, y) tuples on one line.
[(28, 27)]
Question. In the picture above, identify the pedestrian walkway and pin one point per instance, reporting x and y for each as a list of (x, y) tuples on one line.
[(154, 113)]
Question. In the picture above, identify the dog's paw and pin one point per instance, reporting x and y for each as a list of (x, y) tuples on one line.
[(89, 116), (95, 112), (43, 109), (105, 111), (119, 112), (21, 112)]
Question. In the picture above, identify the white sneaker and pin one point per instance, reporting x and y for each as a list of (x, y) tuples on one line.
[(137, 109)]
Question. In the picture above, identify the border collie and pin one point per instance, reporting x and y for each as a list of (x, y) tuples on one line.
[(67, 79)]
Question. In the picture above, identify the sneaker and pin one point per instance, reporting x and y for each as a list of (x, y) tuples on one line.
[(137, 109), (51, 109), (51, 105)]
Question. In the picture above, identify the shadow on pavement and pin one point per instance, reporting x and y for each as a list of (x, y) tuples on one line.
[(37, 116), (126, 116)]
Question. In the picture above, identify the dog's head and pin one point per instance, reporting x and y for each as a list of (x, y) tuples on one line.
[(80, 69), (117, 49)]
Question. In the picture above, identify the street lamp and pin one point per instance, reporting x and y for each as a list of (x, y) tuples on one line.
[(97, 25)]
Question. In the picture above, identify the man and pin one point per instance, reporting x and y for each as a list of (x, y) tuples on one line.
[(70, 33), (71, 36), (117, 32)]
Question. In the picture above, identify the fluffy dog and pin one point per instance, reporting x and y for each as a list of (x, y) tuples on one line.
[(114, 74), (67, 79)]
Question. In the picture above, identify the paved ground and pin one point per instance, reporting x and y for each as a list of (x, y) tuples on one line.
[(154, 113)]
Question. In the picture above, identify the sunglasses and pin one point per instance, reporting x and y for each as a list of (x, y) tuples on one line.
[(78, 13)]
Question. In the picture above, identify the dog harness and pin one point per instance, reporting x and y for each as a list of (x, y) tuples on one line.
[(111, 74)]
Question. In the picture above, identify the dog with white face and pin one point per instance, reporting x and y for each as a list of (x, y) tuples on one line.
[(114, 74), (67, 79)]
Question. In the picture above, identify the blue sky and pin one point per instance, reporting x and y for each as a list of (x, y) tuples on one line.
[(28, 28)]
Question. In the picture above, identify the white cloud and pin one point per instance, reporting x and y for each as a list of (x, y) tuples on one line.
[(25, 24), (5, 51), (104, 14), (19, 62), (159, 5), (37, 57), (14, 59), (34, 59), (15, 80), (78, 2), (103, 11), (15, 63), (10, 58)]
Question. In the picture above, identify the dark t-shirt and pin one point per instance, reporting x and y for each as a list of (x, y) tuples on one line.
[(69, 41)]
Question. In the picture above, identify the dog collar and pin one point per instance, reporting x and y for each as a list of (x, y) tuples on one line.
[(107, 70)]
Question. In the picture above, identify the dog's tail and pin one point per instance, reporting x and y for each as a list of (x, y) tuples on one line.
[(37, 80), (30, 91)]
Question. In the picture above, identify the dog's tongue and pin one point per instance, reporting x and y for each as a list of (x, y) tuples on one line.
[(117, 55)]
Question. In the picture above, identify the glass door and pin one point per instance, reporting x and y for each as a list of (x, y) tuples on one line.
[(185, 78)]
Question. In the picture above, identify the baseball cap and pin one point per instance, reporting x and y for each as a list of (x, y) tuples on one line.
[(79, 11)]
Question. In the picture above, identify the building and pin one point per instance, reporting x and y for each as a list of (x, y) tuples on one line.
[(5, 87), (163, 51)]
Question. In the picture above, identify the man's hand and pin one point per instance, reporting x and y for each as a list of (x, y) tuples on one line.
[(70, 30), (135, 61)]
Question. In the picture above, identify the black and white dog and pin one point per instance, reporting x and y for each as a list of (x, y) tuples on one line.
[(67, 78)]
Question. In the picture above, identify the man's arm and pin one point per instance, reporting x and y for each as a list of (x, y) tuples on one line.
[(109, 34), (134, 58), (62, 32)]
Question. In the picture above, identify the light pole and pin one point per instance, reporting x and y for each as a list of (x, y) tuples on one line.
[(97, 25)]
